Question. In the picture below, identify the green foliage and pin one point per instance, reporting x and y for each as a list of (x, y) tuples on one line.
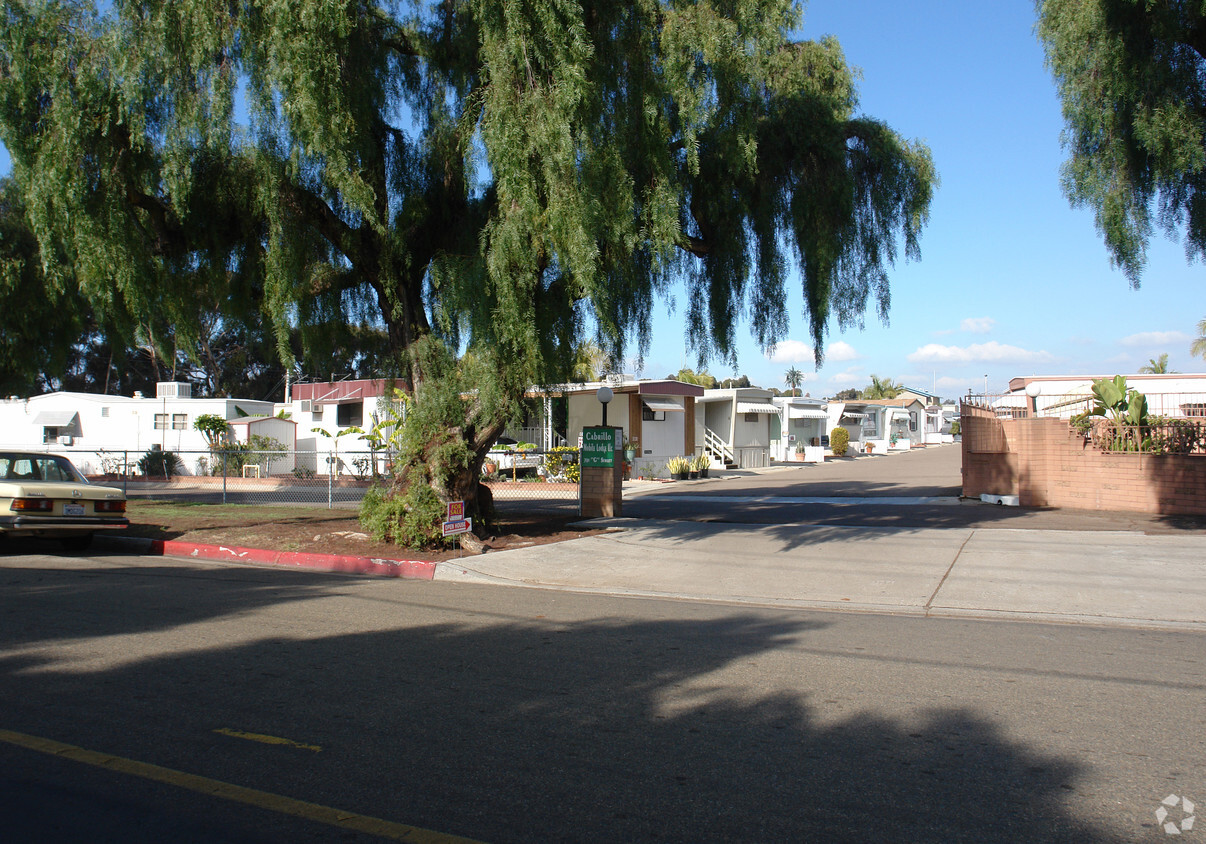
[(265, 450), (1157, 366), (793, 378), (496, 177), (690, 376), (157, 463), (1082, 423), (678, 465), (1130, 77), (1126, 409), (213, 427), (847, 395), (956, 428), (1198, 347), (412, 520), (839, 441), (38, 322), (563, 460), (881, 389), (229, 458), (1175, 436)]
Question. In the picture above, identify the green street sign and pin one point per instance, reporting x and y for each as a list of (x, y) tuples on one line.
[(598, 448)]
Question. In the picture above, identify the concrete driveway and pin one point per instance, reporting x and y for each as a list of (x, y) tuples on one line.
[(875, 533)]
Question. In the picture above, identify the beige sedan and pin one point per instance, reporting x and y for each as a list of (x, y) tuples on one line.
[(43, 495)]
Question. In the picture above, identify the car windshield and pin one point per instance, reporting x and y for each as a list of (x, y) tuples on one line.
[(38, 467)]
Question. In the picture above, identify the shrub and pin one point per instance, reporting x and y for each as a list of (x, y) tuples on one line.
[(411, 518), (839, 441), (563, 461), (230, 458), (955, 428), (160, 463), (1173, 436)]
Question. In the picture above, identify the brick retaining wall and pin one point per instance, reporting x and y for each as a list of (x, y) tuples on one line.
[(1048, 464)]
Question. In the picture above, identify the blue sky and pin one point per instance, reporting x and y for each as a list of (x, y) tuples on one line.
[(1012, 281)]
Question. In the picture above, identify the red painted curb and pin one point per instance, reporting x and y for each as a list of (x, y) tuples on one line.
[(409, 569)]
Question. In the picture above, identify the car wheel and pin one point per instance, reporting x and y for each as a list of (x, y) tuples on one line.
[(77, 543)]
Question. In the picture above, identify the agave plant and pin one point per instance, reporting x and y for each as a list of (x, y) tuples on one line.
[(678, 465)]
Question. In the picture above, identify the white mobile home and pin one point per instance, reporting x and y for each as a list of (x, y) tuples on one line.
[(90, 428), (736, 427), (804, 428)]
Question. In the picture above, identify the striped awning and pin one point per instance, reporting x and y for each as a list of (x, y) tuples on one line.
[(806, 413), (848, 415), (756, 407)]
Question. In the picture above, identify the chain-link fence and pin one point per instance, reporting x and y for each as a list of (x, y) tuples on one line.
[(517, 479)]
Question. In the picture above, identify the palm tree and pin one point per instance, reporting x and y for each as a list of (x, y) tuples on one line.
[(1199, 346), (1158, 366), (882, 389), (793, 378)]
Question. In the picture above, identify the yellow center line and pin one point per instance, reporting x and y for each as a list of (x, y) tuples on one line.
[(237, 793), (263, 739)]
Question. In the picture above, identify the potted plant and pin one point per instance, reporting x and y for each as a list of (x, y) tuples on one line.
[(702, 464), (800, 452), (678, 468), (630, 451)]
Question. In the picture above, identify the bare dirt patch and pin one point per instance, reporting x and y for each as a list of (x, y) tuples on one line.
[(321, 531)]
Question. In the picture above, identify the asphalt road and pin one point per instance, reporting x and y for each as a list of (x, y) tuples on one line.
[(917, 489), (527, 715)]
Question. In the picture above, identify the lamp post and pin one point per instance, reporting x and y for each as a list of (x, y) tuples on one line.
[(1033, 390), (604, 395)]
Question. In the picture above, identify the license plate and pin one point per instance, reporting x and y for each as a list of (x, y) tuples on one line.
[(73, 509)]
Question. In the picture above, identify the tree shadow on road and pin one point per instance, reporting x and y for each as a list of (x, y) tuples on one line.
[(507, 727)]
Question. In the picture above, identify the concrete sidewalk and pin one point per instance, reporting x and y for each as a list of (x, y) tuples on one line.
[(1103, 577)]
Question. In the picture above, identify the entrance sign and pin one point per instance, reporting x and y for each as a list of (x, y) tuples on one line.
[(598, 448)]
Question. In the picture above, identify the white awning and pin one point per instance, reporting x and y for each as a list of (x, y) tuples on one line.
[(666, 405), (806, 413), (898, 413), (848, 415), (56, 419), (756, 407)]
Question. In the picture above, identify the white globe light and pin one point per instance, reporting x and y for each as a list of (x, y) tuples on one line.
[(1034, 389), (604, 395)]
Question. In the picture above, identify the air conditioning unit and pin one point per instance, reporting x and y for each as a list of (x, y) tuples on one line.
[(306, 406), (66, 440)]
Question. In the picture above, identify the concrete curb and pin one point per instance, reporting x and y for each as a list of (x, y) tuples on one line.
[(344, 564)]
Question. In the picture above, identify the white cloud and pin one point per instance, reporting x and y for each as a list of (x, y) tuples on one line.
[(853, 374), (977, 325), (946, 385), (797, 351), (1151, 339), (792, 351), (992, 352), (840, 351)]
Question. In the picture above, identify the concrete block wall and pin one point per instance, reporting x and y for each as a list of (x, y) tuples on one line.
[(1048, 464)]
